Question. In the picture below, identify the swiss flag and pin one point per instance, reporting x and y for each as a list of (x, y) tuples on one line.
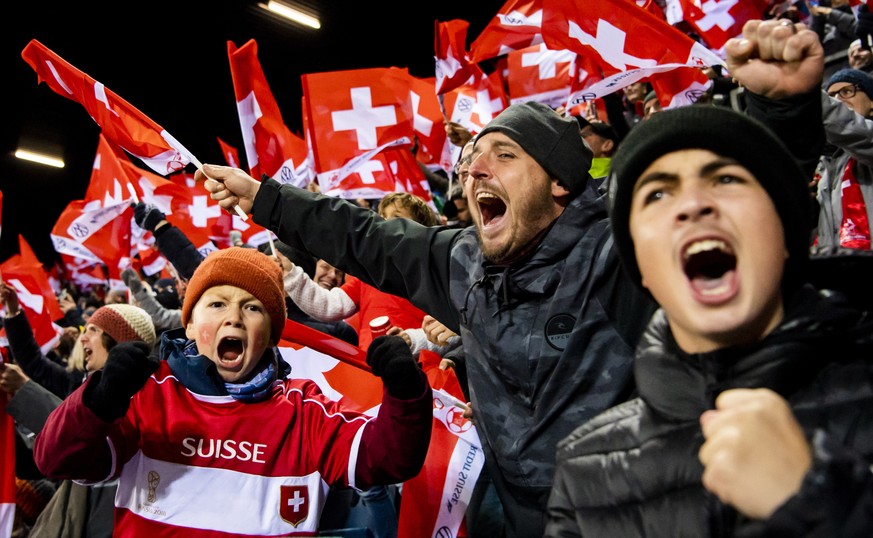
[(628, 42), (518, 25), (428, 120), (393, 169), (97, 234), (441, 492), (716, 21), (231, 154), (271, 148), (586, 73), (438, 496), (36, 297), (353, 115), (540, 74), (120, 121), (453, 65), (680, 87)]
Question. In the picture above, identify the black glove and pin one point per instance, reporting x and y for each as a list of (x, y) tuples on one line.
[(864, 29), (391, 359), (146, 216), (127, 369)]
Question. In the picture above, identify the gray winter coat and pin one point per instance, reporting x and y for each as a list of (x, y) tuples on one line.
[(852, 134)]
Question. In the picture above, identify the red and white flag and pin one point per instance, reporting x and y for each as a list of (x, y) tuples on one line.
[(354, 115), (442, 490), (271, 148), (437, 498), (586, 73), (120, 121), (97, 234), (680, 87), (37, 298), (629, 43), (427, 120), (716, 21), (453, 65), (540, 74), (393, 169), (518, 25), (231, 154)]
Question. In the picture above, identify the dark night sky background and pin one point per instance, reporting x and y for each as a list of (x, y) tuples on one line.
[(169, 59)]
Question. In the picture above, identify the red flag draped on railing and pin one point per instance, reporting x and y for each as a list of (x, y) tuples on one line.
[(436, 498)]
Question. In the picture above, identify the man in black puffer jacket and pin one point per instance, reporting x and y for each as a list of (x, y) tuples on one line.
[(755, 389)]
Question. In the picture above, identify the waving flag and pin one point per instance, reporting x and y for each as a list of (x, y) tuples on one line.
[(121, 123), (716, 21), (271, 148), (540, 74), (37, 299), (354, 115), (427, 120), (518, 25), (100, 235), (680, 87), (453, 65), (628, 42), (231, 155)]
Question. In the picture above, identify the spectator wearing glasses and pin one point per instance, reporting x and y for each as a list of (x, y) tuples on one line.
[(845, 173)]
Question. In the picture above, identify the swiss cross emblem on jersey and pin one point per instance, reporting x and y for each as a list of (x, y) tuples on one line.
[(293, 504)]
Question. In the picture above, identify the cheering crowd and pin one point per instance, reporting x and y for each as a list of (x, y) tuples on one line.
[(652, 318)]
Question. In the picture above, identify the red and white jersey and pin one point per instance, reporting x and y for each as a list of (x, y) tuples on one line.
[(219, 465)]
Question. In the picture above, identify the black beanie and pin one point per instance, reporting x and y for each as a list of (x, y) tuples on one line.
[(727, 133), (554, 142)]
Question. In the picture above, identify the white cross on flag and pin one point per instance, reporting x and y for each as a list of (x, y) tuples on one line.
[(628, 42), (352, 116), (540, 74), (716, 21), (271, 148)]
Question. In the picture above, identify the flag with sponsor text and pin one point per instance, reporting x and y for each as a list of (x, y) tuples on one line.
[(120, 121)]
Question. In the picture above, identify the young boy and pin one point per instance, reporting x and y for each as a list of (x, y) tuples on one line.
[(214, 439), (752, 386)]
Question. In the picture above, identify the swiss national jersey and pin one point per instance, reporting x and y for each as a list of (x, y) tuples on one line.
[(207, 466)]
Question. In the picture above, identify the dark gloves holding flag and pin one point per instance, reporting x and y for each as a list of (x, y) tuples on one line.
[(147, 217), (864, 29), (127, 368), (391, 359)]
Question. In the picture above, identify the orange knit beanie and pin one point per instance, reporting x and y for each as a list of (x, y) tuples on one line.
[(244, 268)]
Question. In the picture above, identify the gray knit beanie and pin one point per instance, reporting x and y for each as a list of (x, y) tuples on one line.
[(729, 134), (554, 142)]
